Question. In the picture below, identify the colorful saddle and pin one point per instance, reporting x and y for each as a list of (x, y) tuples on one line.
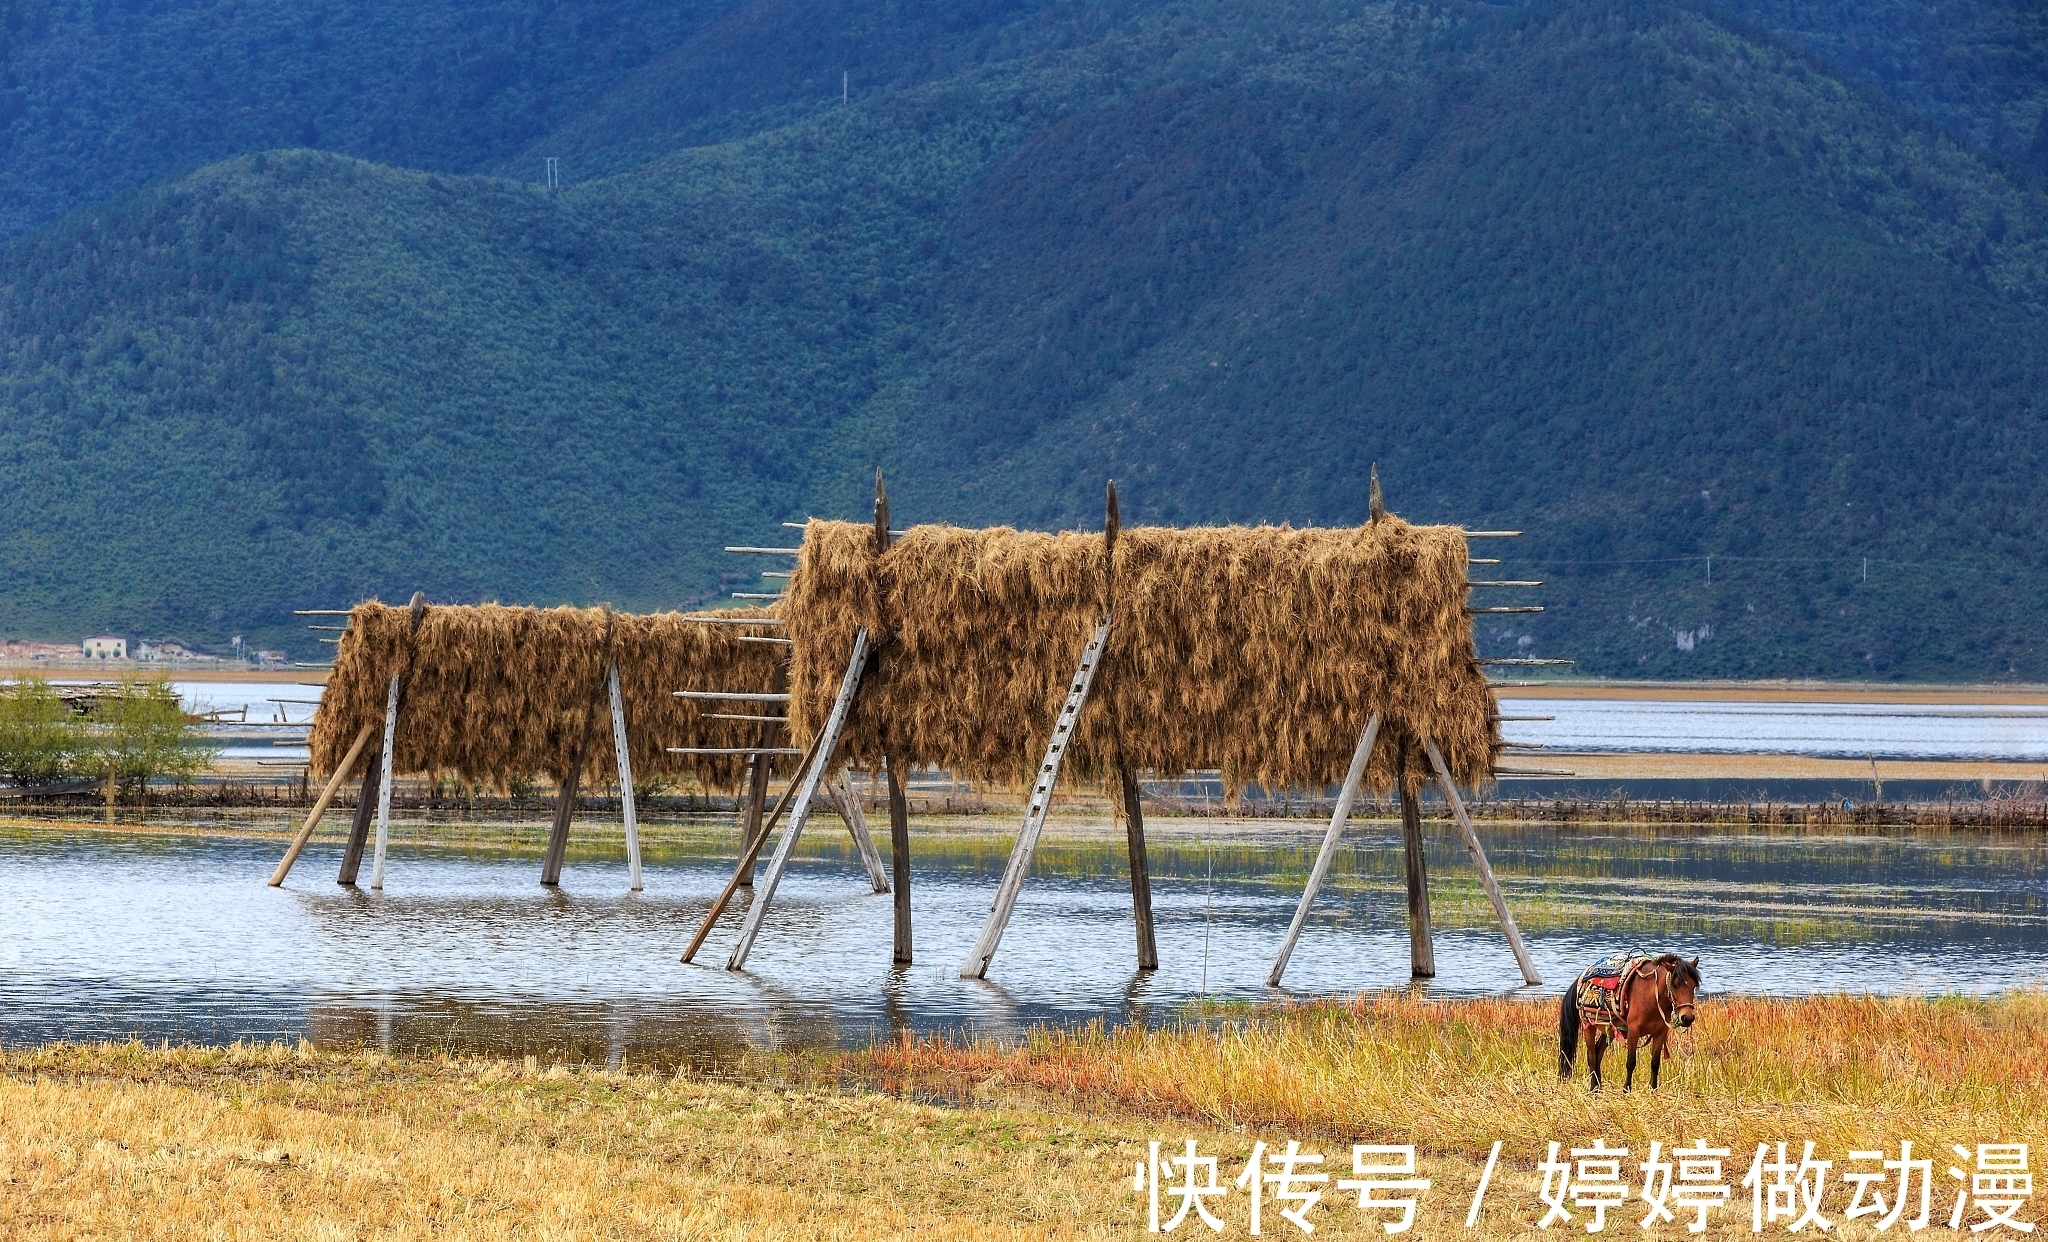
[(1602, 990)]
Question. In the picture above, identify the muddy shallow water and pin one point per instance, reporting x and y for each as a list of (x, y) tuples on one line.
[(111, 935)]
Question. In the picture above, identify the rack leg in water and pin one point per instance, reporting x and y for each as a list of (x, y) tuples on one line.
[(341, 771), (800, 813), (751, 826), (857, 825), (625, 757), (1486, 880), (1005, 903), (1421, 946), (1347, 795), (359, 828), (1141, 870), (899, 861), (384, 786), (558, 830)]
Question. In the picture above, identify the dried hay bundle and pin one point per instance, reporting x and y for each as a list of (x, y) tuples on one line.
[(495, 693), (1260, 651)]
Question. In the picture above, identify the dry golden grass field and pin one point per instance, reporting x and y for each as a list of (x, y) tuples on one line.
[(1037, 1141)]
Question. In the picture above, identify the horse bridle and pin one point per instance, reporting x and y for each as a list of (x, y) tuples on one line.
[(1664, 989)]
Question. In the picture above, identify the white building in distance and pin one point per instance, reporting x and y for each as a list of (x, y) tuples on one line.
[(106, 647)]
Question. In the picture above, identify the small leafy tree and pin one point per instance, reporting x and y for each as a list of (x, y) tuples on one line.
[(139, 732), (38, 732)]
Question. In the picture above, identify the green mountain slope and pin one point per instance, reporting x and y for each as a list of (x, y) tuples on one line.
[(1651, 285), (96, 99)]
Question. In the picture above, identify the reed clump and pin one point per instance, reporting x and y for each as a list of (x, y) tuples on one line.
[(1257, 650), (496, 693)]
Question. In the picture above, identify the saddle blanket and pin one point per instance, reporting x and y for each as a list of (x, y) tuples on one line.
[(1600, 989)]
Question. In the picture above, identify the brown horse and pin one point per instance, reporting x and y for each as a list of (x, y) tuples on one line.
[(1656, 995)]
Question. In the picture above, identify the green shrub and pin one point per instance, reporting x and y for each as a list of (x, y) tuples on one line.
[(37, 732), (140, 732)]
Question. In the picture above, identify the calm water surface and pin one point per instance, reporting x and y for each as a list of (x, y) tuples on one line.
[(178, 938), (2015, 733)]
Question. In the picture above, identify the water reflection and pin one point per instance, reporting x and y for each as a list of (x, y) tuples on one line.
[(167, 937)]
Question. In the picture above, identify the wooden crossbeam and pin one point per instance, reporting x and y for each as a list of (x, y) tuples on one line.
[(736, 696), (1005, 903), (828, 743), (1345, 797)]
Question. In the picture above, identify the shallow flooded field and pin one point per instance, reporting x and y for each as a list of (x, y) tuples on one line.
[(176, 937)]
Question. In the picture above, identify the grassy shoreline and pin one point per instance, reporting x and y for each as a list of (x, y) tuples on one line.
[(1037, 1139)]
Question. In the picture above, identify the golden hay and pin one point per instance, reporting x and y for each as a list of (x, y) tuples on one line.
[(1260, 651), (494, 692)]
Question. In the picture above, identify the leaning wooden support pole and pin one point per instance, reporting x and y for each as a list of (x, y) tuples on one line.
[(1472, 847), (359, 828), (558, 829), (1005, 902), (291, 854), (1141, 870), (800, 813), (899, 864), (625, 756), (751, 851), (1346, 795), (1421, 945), (384, 786), (857, 825)]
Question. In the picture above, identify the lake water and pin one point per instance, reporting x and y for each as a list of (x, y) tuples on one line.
[(1885, 731), (111, 935)]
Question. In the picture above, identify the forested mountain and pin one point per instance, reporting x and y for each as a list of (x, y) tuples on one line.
[(1654, 282)]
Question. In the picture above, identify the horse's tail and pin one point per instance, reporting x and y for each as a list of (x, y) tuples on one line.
[(1568, 1031)]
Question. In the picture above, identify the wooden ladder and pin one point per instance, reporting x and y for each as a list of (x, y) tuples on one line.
[(1034, 816), (826, 745)]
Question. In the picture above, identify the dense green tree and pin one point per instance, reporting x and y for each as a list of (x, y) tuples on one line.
[(37, 736)]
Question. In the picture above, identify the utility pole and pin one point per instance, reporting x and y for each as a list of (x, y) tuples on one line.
[(845, 85), (554, 179)]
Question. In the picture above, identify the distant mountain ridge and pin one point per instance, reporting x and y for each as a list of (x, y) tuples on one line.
[(1655, 284)]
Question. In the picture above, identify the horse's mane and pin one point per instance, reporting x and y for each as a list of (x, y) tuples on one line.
[(1680, 968)]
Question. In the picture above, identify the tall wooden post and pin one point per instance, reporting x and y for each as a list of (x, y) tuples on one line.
[(385, 782), (373, 801), (565, 799), (899, 862), (359, 829), (751, 827), (767, 736), (1134, 813), (1421, 947), (622, 751), (899, 805), (1141, 871)]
